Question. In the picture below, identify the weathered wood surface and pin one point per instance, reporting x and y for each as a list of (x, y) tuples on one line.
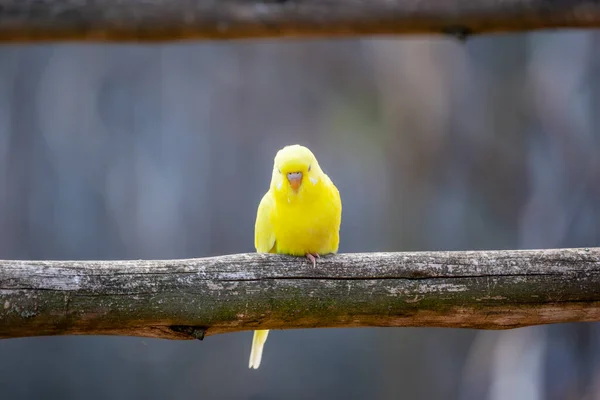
[(161, 20), (182, 299)]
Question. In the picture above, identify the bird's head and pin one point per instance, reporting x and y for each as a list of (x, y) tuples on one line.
[(295, 172)]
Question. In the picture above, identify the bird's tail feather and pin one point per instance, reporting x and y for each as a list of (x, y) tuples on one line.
[(258, 342)]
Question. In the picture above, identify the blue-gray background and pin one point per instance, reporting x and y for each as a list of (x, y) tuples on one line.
[(163, 151)]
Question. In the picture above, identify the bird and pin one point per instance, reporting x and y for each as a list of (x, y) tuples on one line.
[(300, 215)]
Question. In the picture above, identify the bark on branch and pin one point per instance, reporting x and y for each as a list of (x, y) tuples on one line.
[(160, 20), (183, 299)]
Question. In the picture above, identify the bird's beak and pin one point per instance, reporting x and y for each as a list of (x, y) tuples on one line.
[(295, 180)]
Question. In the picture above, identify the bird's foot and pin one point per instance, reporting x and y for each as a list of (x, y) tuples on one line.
[(313, 258)]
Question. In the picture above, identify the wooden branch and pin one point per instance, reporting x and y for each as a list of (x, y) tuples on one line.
[(183, 299), (160, 20)]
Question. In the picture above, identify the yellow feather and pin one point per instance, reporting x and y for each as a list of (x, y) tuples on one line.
[(296, 222), (258, 342)]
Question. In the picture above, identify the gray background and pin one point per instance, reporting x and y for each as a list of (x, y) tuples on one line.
[(163, 151)]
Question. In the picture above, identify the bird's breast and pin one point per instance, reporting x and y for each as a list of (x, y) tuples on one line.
[(310, 228)]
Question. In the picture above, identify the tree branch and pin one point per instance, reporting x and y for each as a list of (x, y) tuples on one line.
[(160, 20), (183, 299)]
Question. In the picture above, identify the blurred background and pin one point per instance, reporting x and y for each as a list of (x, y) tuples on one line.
[(164, 151)]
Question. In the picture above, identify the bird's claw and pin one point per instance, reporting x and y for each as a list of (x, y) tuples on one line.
[(313, 258)]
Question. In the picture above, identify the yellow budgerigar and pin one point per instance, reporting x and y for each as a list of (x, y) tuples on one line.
[(299, 215)]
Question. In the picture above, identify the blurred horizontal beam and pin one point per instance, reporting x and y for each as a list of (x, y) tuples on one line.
[(169, 20), (184, 299)]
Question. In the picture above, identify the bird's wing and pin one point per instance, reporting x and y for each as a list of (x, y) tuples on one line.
[(264, 234), (337, 205)]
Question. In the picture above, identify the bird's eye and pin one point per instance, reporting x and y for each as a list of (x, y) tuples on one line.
[(309, 167)]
